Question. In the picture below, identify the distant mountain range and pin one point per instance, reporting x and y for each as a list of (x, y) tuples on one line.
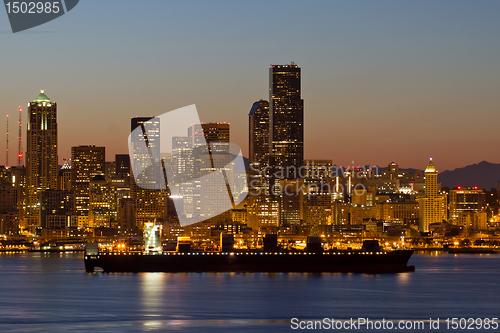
[(484, 175)]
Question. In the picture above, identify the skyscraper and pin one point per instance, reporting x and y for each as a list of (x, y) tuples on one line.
[(56, 209), (286, 118), (433, 205), (122, 165), (87, 162), (102, 203), (466, 200), (146, 157), (41, 154), (149, 202), (217, 136), (258, 152)]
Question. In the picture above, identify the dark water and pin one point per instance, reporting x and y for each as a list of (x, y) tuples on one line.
[(52, 293)]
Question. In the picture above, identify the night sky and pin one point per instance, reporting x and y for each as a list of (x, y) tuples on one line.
[(381, 80)]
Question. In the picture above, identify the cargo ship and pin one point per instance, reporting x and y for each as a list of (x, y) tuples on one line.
[(371, 258)]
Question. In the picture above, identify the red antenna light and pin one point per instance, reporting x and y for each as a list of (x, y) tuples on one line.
[(7, 150), (20, 137)]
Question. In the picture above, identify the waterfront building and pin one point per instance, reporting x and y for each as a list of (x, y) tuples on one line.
[(56, 209), (263, 212)]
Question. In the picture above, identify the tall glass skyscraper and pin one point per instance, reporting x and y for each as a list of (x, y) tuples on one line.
[(258, 143), (258, 118), (286, 118), (149, 201), (41, 155)]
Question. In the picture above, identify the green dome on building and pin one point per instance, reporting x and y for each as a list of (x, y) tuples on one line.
[(42, 98)]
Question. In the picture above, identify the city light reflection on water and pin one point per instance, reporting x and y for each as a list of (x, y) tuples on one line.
[(152, 294), (53, 293)]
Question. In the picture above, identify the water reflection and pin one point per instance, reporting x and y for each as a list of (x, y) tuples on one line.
[(403, 278), (54, 294), (153, 296)]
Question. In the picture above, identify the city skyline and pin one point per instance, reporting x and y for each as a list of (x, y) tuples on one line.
[(249, 165), (110, 157), (317, 201), (381, 82)]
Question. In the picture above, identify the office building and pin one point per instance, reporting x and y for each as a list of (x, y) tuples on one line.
[(258, 142), (148, 199), (122, 162), (87, 162), (216, 136), (466, 200), (286, 118), (41, 155), (432, 207), (102, 203), (56, 209), (64, 177)]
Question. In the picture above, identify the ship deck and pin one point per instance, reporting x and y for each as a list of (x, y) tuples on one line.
[(254, 261)]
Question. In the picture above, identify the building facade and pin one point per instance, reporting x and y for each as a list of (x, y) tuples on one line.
[(286, 118), (258, 142), (56, 209), (87, 162), (465, 200), (41, 155), (148, 200), (432, 207)]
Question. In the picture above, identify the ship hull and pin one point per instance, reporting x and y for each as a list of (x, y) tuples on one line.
[(355, 262)]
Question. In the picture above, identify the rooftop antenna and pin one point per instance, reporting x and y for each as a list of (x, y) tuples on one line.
[(7, 150), (20, 149)]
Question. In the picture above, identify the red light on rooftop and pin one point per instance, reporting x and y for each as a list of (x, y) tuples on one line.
[(459, 187)]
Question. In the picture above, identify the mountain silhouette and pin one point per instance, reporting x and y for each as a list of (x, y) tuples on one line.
[(484, 175)]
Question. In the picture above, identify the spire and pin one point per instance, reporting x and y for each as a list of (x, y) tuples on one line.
[(430, 167)]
